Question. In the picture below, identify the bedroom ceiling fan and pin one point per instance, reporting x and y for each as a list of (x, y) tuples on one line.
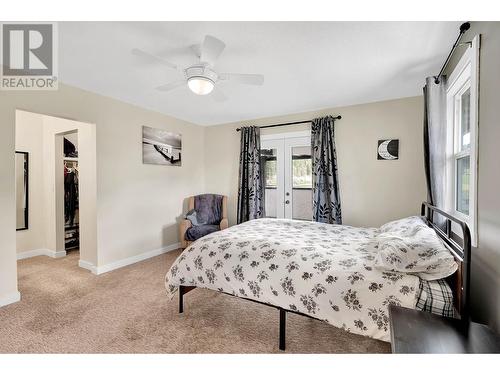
[(202, 78)]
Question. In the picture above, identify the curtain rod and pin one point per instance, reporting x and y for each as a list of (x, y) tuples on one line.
[(463, 28), (289, 123)]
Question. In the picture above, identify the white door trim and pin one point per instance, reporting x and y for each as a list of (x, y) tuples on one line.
[(290, 143), (303, 133), (280, 173), (283, 144)]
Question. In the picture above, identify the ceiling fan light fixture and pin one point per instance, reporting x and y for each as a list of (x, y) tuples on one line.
[(201, 77), (201, 85)]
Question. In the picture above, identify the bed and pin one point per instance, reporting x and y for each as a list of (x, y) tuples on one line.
[(327, 272)]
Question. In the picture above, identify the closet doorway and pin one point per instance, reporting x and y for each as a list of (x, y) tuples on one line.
[(61, 186), (287, 166), (71, 192)]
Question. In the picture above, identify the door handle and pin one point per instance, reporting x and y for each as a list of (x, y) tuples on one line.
[(287, 202)]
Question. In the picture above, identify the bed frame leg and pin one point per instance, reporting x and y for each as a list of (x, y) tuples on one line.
[(181, 299), (282, 328)]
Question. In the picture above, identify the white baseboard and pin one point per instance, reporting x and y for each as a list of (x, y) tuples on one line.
[(38, 252), (57, 254), (134, 259), (10, 298), (105, 268), (30, 254), (88, 266)]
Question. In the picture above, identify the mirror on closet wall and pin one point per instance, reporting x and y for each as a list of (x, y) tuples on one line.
[(22, 171)]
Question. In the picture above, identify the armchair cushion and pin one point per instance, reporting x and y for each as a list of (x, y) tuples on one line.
[(208, 208), (195, 232), (194, 218)]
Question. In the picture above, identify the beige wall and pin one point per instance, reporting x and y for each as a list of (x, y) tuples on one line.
[(8, 266), (372, 191), (137, 205), (485, 274), (29, 138)]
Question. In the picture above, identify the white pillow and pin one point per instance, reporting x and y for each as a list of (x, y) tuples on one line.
[(410, 246), (405, 226)]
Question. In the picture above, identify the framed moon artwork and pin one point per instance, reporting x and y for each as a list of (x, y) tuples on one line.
[(388, 149)]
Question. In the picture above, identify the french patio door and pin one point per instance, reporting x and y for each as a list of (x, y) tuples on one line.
[(288, 176)]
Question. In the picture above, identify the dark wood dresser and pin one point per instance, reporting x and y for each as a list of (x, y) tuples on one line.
[(414, 331)]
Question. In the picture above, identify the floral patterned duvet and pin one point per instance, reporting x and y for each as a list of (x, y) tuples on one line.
[(322, 270)]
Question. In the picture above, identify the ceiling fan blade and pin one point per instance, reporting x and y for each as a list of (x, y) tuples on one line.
[(141, 53), (218, 95), (211, 49), (171, 85), (247, 79), (196, 48)]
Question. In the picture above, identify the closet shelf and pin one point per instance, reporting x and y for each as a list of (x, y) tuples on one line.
[(70, 159)]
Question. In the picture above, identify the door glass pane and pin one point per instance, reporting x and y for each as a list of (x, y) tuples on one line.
[(463, 181), (270, 180), (465, 120), (302, 183)]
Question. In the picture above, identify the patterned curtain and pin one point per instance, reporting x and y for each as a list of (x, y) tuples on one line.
[(435, 142), (251, 178), (326, 196), (435, 139)]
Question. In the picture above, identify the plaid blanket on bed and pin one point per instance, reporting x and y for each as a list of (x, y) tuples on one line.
[(435, 297)]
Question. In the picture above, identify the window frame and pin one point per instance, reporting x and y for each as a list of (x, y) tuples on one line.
[(309, 187), (265, 175), (465, 76)]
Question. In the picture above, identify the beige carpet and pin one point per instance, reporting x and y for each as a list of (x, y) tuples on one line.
[(65, 309)]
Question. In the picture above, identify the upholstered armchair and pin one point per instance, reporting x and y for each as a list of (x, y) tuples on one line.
[(210, 215)]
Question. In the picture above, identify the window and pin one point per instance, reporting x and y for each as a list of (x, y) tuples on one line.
[(268, 157), (462, 149), (301, 167), (302, 173), (271, 176), (461, 152)]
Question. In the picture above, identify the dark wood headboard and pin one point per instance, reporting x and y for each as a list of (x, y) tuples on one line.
[(460, 280)]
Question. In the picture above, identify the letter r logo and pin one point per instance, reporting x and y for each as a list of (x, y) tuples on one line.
[(27, 49)]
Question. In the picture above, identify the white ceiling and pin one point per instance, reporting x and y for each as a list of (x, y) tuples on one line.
[(307, 65)]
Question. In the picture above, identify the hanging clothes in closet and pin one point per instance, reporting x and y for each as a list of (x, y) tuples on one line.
[(70, 194), (71, 205)]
